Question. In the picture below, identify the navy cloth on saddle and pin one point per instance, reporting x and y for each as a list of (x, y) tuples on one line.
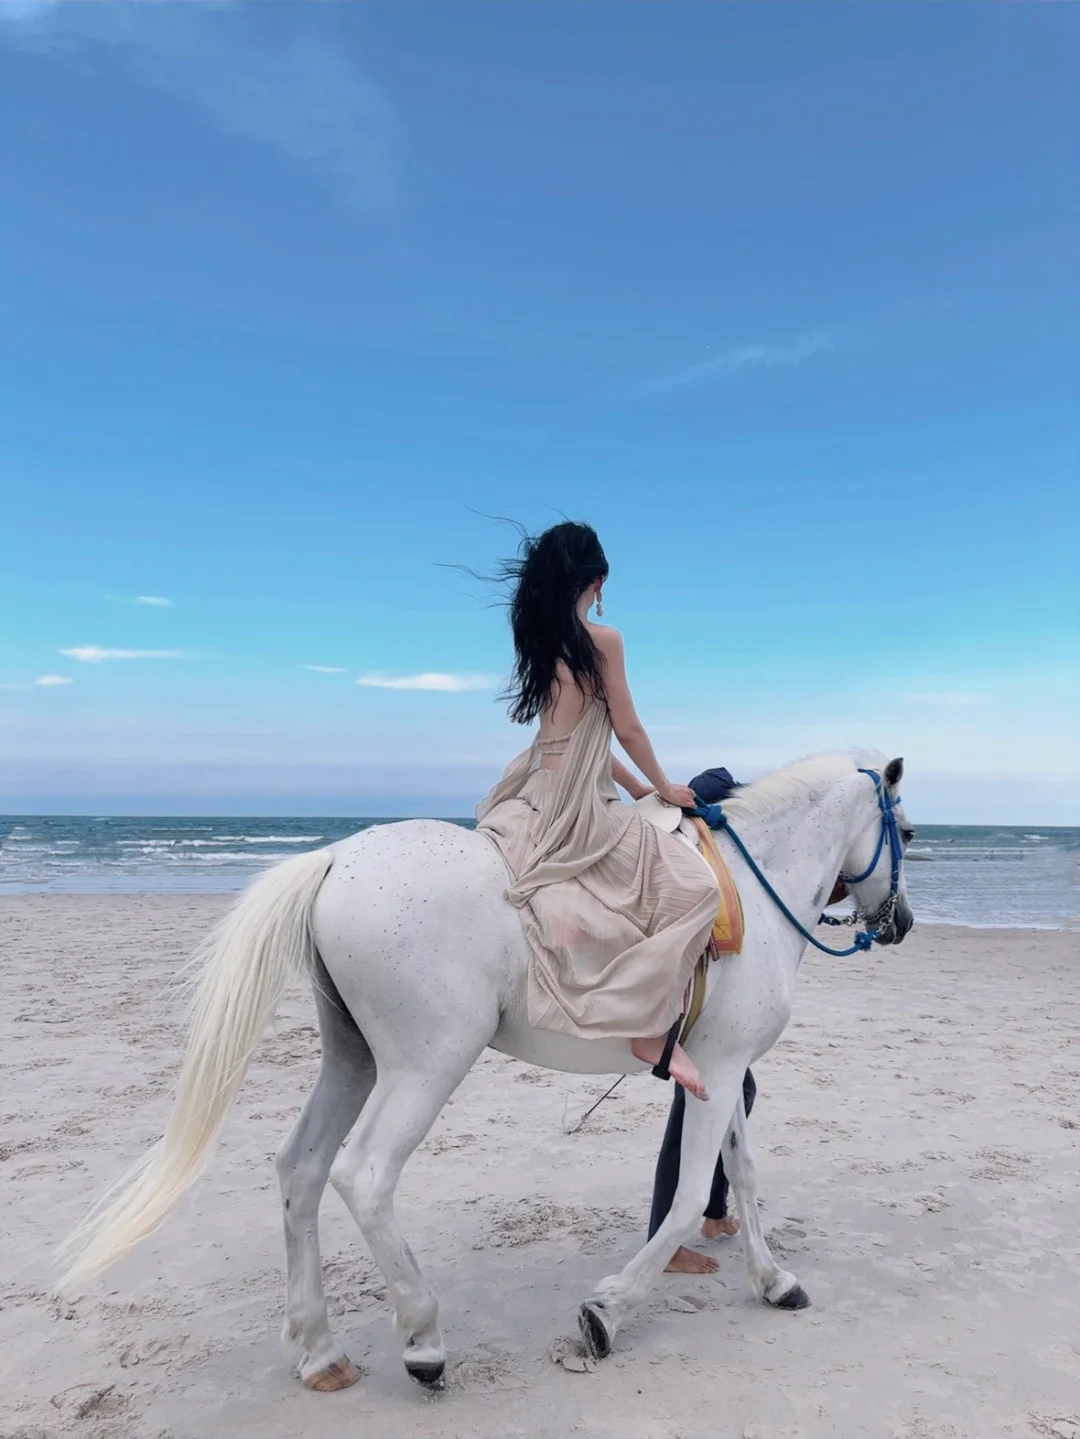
[(713, 786)]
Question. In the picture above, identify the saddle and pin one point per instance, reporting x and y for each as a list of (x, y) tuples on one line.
[(728, 928)]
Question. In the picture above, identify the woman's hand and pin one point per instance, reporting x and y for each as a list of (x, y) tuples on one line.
[(680, 795)]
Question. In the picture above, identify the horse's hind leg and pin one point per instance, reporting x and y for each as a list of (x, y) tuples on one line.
[(346, 1078), (398, 1116), (771, 1283)]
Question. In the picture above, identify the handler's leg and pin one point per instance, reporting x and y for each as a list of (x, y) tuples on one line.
[(666, 1180)]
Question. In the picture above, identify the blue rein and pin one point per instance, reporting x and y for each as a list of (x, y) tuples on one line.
[(715, 818)]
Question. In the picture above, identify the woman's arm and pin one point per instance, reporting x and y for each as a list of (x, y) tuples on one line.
[(629, 781), (629, 730)]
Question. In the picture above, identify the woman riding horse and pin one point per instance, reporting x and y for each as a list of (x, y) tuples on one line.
[(615, 911)]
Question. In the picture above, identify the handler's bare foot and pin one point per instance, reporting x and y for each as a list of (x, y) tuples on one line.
[(689, 1261), (713, 1228), (682, 1068)]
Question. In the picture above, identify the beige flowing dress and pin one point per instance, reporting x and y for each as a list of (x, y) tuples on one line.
[(616, 912)]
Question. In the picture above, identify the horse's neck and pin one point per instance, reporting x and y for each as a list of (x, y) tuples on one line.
[(801, 849)]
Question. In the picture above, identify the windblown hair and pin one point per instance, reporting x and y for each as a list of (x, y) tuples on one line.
[(548, 576)]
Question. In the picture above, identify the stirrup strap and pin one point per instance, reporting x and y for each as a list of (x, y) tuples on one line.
[(661, 1070)]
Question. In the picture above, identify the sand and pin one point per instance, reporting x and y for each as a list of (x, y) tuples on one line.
[(918, 1134)]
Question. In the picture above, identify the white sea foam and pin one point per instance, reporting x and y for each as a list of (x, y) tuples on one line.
[(988, 876)]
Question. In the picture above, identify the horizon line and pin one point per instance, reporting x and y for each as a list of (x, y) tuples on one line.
[(102, 812)]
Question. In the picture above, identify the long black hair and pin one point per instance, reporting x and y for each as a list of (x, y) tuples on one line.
[(549, 576)]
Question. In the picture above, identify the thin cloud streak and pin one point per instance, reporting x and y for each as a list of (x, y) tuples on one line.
[(324, 669), (749, 357), (158, 601), (13, 10), (431, 680), (50, 681), (95, 654), (293, 87)]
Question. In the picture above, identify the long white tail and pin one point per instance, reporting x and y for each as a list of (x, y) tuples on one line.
[(264, 941)]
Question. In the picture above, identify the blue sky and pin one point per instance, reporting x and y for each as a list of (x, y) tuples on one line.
[(784, 299)]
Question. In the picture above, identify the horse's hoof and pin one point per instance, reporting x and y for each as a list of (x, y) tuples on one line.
[(596, 1333), (796, 1298), (342, 1374), (431, 1373)]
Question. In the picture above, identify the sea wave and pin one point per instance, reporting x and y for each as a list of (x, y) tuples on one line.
[(983, 876)]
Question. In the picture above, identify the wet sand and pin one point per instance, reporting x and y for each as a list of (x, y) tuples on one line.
[(918, 1136)]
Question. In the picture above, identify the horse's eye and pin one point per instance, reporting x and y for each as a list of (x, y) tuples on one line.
[(907, 835)]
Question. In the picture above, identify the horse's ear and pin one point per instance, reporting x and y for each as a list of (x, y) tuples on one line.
[(894, 772)]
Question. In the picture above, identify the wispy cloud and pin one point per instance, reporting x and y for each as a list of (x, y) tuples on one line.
[(324, 669), (291, 84), (95, 654), (50, 681), (24, 9), (428, 681), (158, 601), (945, 699), (750, 357)]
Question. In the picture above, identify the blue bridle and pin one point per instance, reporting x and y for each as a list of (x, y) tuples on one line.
[(715, 818)]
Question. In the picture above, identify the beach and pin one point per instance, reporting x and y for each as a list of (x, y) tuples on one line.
[(918, 1141)]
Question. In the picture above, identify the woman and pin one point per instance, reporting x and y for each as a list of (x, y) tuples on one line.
[(615, 911)]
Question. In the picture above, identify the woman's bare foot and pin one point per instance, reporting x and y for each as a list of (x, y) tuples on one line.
[(681, 1067), (713, 1228), (689, 1261)]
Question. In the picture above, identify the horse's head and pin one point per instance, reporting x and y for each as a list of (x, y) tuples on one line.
[(873, 867)]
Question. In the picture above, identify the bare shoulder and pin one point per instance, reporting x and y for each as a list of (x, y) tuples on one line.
[(607, 639)]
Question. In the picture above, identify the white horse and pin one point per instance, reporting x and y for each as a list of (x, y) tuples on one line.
[(419, 964)]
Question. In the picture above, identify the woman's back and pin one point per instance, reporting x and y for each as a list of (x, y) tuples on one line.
[(566, 707)]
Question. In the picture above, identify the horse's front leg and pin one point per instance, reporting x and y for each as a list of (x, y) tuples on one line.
[(704, 1127), (770, 1283)]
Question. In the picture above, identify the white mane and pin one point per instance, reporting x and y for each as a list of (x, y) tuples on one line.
[(801, 780)]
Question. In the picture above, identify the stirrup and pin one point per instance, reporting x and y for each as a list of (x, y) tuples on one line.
[(661, 1070)]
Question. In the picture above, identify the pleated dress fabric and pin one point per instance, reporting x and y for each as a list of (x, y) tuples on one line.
[(615, 911)]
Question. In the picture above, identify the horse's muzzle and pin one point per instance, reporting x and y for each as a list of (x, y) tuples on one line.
[(899, 926)]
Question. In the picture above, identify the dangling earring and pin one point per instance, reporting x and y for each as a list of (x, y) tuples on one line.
[(599, 605)]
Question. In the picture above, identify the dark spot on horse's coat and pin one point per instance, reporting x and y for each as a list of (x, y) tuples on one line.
[(288, 1202)]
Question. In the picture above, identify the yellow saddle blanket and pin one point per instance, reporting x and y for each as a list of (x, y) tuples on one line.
[(727, 935)]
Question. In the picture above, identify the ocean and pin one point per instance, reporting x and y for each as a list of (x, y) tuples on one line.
[(957, 874)]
